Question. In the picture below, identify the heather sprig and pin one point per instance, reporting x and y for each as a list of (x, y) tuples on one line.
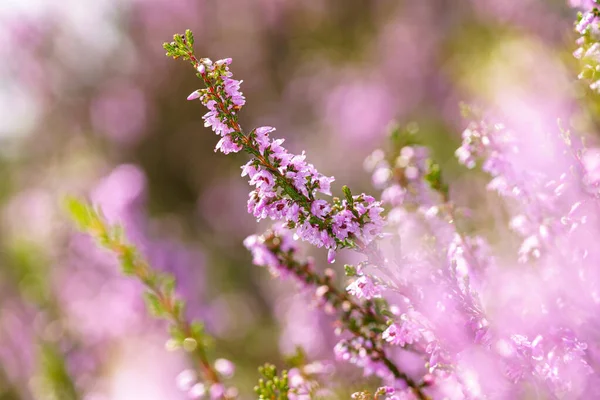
[(549, 215), (364, 320), (161, 301), (588, 52), (420, 178), (273, 385), (286, 186), (301, 380)]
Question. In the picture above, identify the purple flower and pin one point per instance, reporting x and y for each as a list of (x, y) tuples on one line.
[(194, 95), (364, 287), (227, 145), (217, 390), (261, 255), (224, 367), (262, 137), (320, 208), (407, 333), (344, 224), (586, 21), (331, 256)]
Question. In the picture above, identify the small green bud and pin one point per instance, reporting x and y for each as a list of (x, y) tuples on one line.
[(79, 211), (348, 195), (189, 344), (153, 304), (350, 270), (189, 37)]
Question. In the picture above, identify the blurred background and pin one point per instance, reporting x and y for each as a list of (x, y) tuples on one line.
[(90, 105)]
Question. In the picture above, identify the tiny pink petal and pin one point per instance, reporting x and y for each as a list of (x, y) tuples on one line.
[(194, 95)]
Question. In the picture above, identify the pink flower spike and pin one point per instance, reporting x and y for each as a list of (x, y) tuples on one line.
[(225, 367), (194, 95), (331, 256)]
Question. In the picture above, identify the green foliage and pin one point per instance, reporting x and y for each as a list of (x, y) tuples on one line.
[(297, 359), (434, 179), (350, 270), (182, 46), (153, 304), (348, 195), (55, 381), (402, 136), (470, 111), (272, 386), (160, 297), (79, 212)]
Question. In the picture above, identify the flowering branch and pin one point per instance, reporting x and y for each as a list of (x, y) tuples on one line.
[(160, 291), (276, 250), (286, 186)]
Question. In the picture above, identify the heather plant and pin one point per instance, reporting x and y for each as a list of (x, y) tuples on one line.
[(432, 306)]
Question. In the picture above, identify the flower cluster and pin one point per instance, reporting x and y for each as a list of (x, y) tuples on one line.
[(428, 312), (588, 51), (402, 177), (286, 186), (550, 217), (362, 320)]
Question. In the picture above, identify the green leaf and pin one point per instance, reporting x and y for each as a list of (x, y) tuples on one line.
[(55, 372), (434, 178), (153, 304), (177, 38), (178, 309), (189, 37), (197, 329), (80, 212), (348, 195), (127, 260), (168, 285), (350, 270), (176, 333)]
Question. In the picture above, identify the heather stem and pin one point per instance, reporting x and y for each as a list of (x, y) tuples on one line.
[(160, 286), (338, 298)]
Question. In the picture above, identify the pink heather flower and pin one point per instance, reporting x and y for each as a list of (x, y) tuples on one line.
[(287, 243), (331, 256), (393, 195), (227, 145), (364, 287), (224, 61), (194, 95), (320, 208), (217, 391), (293, 212), (407, 333), (591, 163), (530, 248), (263, 180), (197, 391), (585, 22), (583, 4), (186, 379), (386, 390), (201, 69), (224, 367), (381, 177), (249, 169), (325, 184), (232, 88), (261, 255), (344, 225), (262, 137)]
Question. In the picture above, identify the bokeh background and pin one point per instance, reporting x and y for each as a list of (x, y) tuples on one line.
[(90, 105)]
